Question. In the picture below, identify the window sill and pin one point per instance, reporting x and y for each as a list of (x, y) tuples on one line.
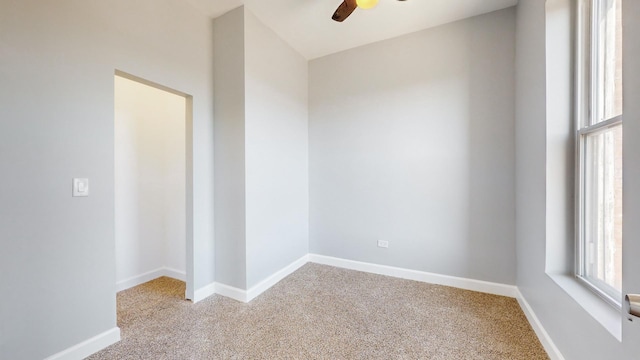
[(598, 308)]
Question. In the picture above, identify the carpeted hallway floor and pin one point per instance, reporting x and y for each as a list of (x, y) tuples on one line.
[(322, 312)]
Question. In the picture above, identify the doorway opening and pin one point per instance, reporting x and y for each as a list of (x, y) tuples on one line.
[(153, 175)]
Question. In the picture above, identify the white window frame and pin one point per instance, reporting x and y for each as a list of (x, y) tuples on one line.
[(586, 108)]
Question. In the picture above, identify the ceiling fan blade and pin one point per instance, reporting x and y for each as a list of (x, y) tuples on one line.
[(344, 10)]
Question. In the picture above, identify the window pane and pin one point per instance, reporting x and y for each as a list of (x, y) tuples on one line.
[(603, 210), (609, 60)]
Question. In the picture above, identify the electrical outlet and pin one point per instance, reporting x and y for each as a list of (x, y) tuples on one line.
[(383, 244)]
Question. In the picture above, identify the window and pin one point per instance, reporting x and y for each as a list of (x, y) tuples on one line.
[(599, 152)]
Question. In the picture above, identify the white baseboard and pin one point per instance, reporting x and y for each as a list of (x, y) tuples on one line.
[(174, 274), (204, 292), (88, 347), (267, 283), (231, 292), (551, 349), (431, 278), (148, 276), (246, 296)]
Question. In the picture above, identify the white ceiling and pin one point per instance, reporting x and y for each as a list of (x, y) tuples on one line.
[(307, 26), (215, 8)]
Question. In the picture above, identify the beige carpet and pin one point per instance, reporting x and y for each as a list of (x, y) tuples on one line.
[(321, 312)]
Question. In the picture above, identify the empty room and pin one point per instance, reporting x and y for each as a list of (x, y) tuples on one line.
[(319, 179)]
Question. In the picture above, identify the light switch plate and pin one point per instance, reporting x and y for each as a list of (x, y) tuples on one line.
[(80, 187)]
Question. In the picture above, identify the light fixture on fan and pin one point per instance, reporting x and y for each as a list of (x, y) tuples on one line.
[(366, 4), (348, 6)]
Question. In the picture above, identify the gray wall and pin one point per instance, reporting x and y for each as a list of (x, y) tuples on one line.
[(57, 63), (229, 104), (277, 171), (262, 196), (412, 141), (560, 154), (574, 331)]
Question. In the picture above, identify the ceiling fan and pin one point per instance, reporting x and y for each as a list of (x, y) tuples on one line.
[(348, 6)]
